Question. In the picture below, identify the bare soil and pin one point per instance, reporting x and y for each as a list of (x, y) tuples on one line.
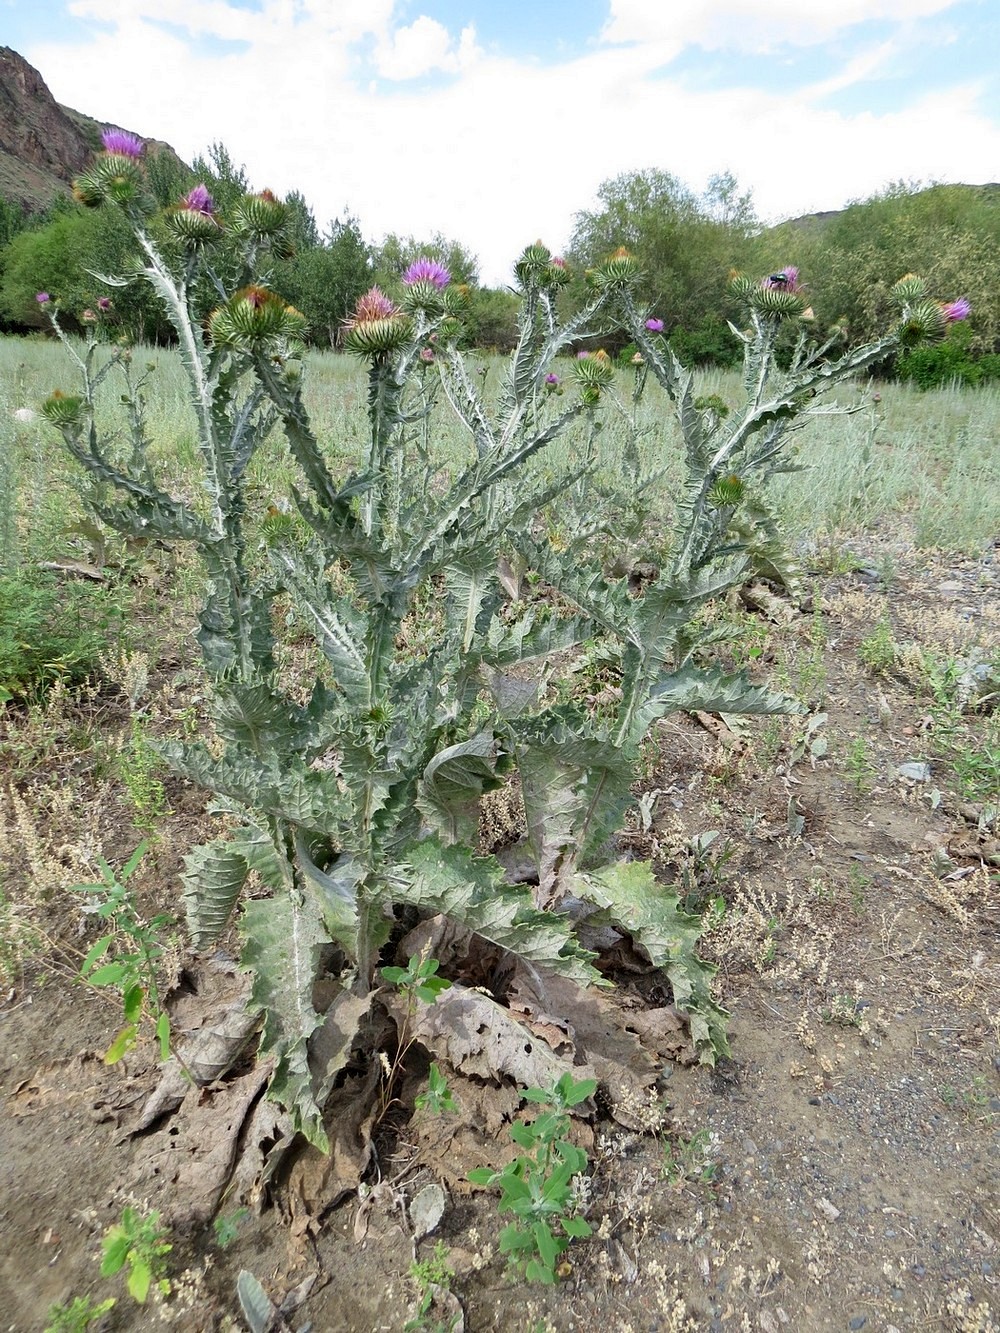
[(839, 1172)]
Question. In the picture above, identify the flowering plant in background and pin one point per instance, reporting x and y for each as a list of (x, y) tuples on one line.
[(954, 311)]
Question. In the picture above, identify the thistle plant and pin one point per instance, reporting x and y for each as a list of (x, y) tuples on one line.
[(364, 796), (359, 795)]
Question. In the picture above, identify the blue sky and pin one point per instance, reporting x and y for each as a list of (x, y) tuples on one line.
[(495, 121)]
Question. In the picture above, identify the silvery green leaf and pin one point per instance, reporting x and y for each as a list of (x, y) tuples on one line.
[(258, 717), (339, 628), (576, 789), (473, 891), (630, 897), (336, 892), (213, 876), (258, 1309), (310, 797), (452, 785), (426, 1210), (708, 690), (282, 937)]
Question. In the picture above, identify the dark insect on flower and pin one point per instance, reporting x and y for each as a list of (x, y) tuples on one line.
[(779, 279)]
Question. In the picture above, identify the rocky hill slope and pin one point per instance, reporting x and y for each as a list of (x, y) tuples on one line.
[(43, 145)]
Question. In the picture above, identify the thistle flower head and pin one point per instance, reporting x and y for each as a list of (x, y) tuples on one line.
[(551, 379), (43, 298), (104, 303), (373, 305), (429, 270), (654, 325), (786, 279), (954, 311), (123, 143), (63, 409), (377, 326), (199, 200), (253, 316)]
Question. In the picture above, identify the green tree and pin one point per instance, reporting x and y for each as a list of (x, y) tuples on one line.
[(685, 244), (62, 257), (324, 281), (396, 253), (950, 234)]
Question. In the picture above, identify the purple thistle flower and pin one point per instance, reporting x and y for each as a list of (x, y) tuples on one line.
[(427, 354), (373, 305), (654, 325), (104, 303), (582, 355), (427, 270), (551, 379), (786, 279), (43, 298), (199, 200), (120, 141), (957, 310)]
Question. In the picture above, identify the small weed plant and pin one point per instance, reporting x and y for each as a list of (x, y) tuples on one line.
[(438, 1098), (878, 650), (139, 768), (78, 1316), (538, 1186), (418, 983), (138, 1244), (227, 1226), (690, 1161), (125, 958), (430, 1276), (859, 765)]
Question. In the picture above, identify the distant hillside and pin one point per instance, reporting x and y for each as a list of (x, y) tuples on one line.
[(817, 221), (42, 145)]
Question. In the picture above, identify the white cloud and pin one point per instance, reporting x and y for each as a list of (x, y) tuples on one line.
[(423, 47), (501, 151), (752, 25)]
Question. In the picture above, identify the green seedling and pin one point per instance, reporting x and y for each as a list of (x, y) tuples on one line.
[(537, 1187), (431, 1276), (689, 1160), (228, 1226), (438, 1096), (140, 1244), (125, 958), (78, 1316), (419, 983)]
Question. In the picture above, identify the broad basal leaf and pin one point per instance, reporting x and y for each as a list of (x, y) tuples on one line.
[(575, 786), (282, 938), (632, 899), (452, 785), (472, 891), (335, 888), (213, 876), (708, 690)]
